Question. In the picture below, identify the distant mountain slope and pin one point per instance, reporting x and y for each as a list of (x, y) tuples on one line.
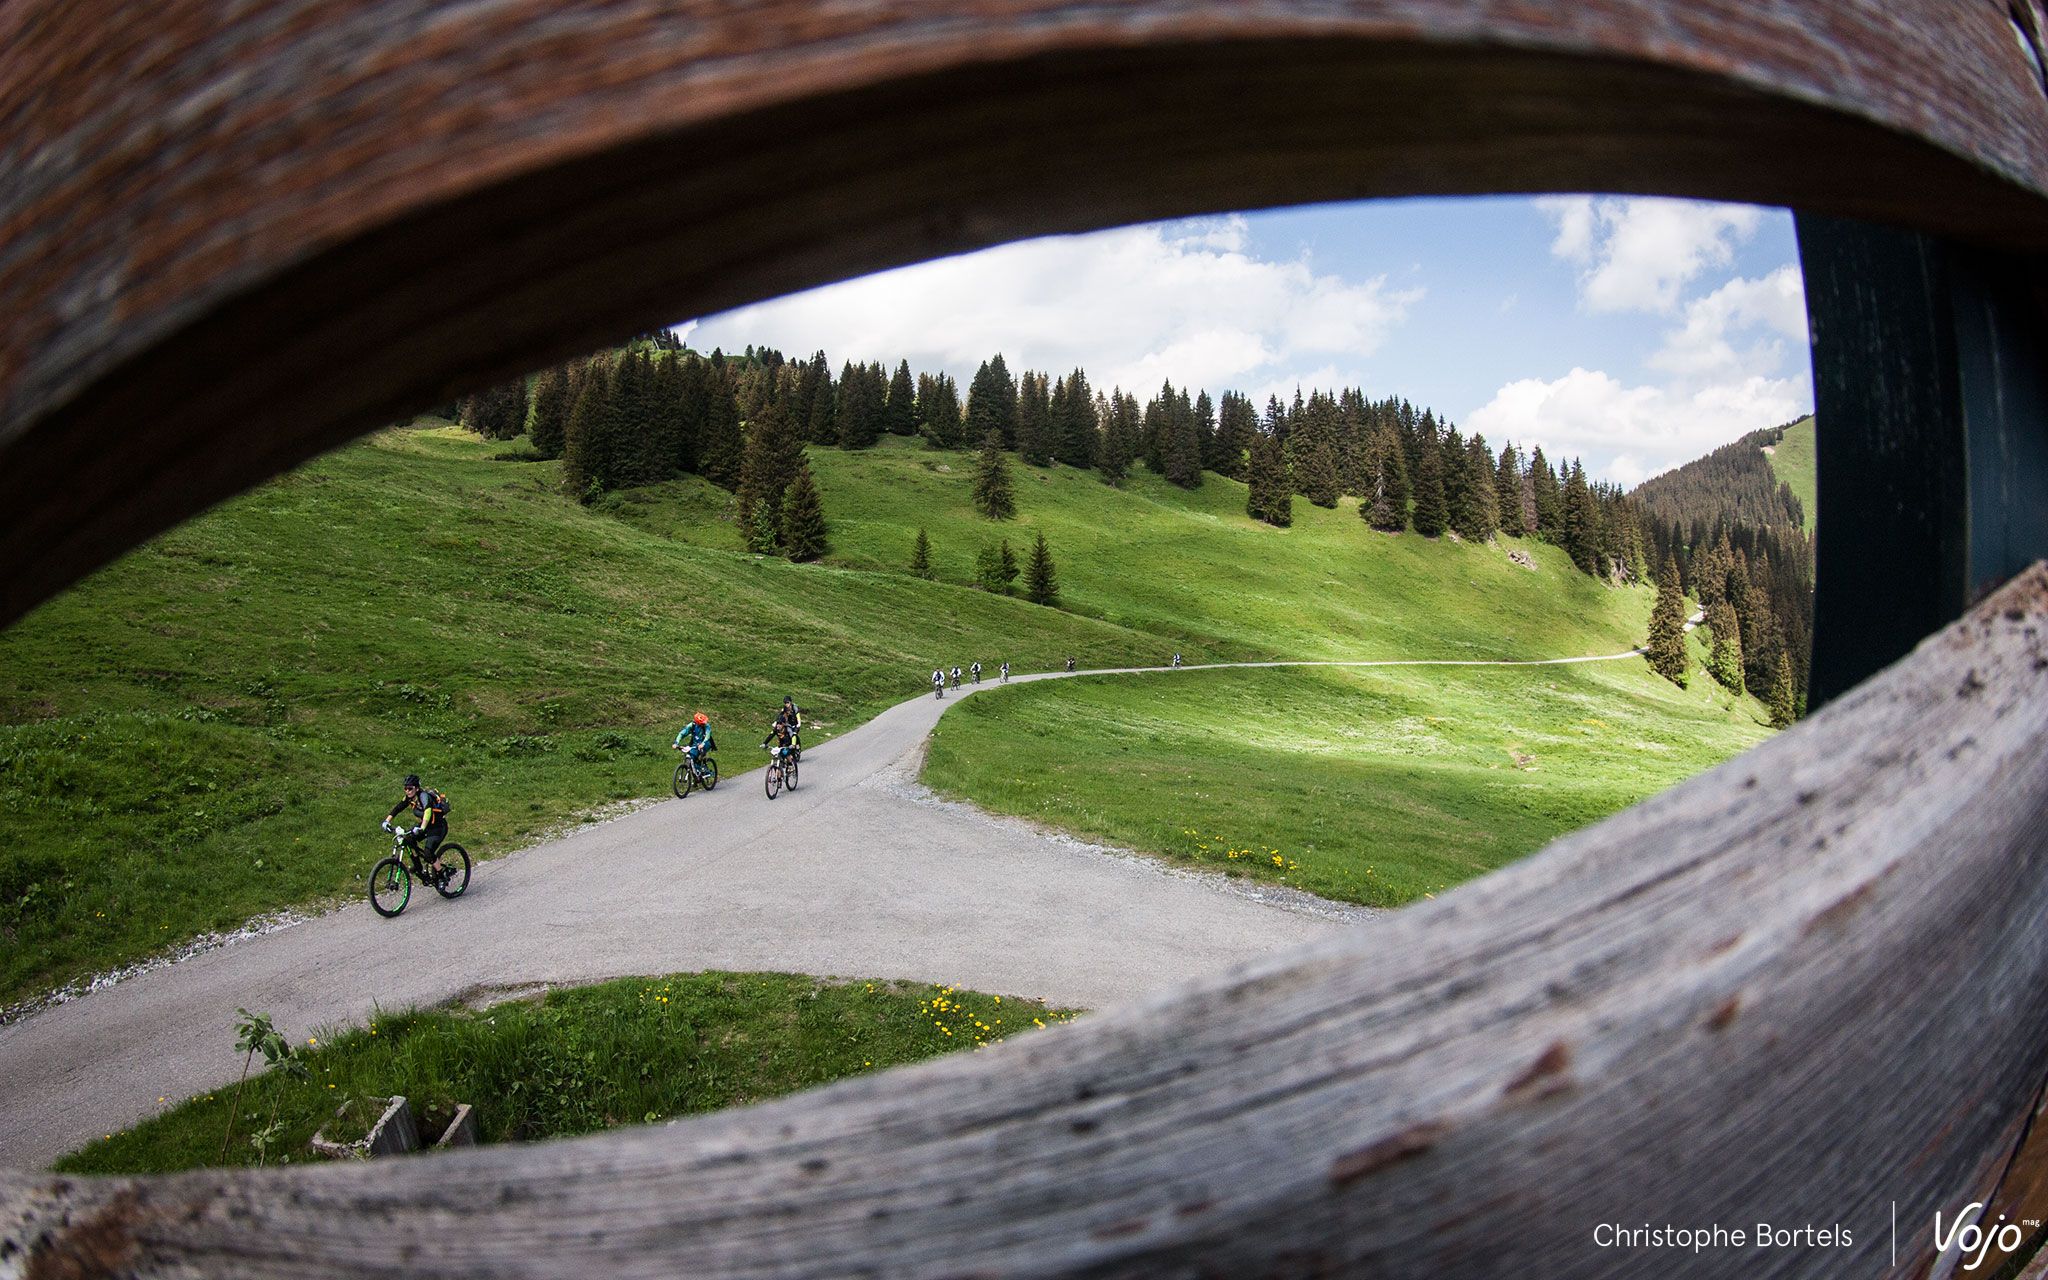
[(1792, 462), (1736, 483)]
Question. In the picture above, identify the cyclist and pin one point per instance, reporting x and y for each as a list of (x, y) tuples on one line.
[(1070, 664), (956, 675), (1006, 673), (795, 717), (938, 683), (1176, 662), (975, 671), (781, 736), (431, 810), (695, 740)]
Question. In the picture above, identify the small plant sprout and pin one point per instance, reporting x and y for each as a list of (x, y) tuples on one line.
[(256, 1034)]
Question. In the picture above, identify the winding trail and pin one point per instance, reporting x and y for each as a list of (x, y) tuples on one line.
[(859, 873)]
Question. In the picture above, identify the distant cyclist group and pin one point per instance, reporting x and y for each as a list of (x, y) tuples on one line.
[(973, 676)]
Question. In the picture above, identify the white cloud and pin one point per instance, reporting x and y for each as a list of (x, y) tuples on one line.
[(1133, 306), (1636, 253), (1704, 346), (1628, 433)]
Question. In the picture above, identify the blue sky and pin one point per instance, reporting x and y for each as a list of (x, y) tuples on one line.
[(1635, 333)]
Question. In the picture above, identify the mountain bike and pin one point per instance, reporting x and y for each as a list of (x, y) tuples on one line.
[(391, 879), (703, 772), (782, 770)]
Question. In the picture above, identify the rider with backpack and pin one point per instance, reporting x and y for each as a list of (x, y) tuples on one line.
[(430, 808)]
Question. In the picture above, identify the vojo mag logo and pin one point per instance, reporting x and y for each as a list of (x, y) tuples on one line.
[(1964, 1238)]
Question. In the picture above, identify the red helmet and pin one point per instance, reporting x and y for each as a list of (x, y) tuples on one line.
[(699, 718)]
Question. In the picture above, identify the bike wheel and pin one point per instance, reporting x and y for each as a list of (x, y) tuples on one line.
[(772, 780), (390, 887), (454, 876), (684, 780), (789, 771), (709, 778)]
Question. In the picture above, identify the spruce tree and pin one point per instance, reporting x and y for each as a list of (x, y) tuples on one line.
[(1378, 505), (1479, 478), (1181, 443), (1077, 428), (1041, 581), (859, 411), (1781, 694), (803, 516), (992, 403), (550, 412), (1006, 560), (586, 445), (1432, 513), (899, 413), (938, 410), (1205, 433), (921, 556), (1581, 523), (770, 464), (988, 571), (1035, 441), (724, 441), (1725, 662), (1236, 423), (1271, 495), (760, 529), (992, 494), (1666, 648), (1507, 493), (1548, 499), (1119, 439), (1461, 512), (693, 399)]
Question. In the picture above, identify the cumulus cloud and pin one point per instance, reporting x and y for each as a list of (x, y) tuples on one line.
[(1637, 254), (1134, 307), (1734, 360)]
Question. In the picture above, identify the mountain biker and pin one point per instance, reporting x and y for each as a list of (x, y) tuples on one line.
[(1070, 664), (695, 740), (1176, 662), (956, 675), (795, 717), (431, 810), (1006, 673), (781, 734), (975, 671), (938, 683)]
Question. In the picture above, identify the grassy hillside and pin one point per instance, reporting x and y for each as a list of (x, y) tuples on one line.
[(1792, 462), (210, 728), (1372, 785)]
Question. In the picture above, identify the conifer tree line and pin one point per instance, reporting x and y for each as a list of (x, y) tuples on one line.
[(1732, 535)]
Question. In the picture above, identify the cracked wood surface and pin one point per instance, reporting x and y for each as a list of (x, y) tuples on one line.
[(1794, 989), (234, 236)]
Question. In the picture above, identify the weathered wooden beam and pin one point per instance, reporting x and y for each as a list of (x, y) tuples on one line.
[(1793, 990), (232, 236), (1931, 386)]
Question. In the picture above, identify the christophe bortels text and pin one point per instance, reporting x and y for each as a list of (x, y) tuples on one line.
[(1612, 1235)]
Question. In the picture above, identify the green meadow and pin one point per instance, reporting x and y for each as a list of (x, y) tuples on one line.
[(211, 728), (1793, 463), (580, 1060), (1373, 785)]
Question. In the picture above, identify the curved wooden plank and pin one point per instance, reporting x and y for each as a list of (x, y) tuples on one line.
[(1792, 990), (232, 236)]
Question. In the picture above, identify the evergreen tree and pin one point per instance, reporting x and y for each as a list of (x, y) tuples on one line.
[(1724, 663), (1205, 434), (992, 403), (1479, 480), (587, 467), (1006, 560), (822, 422), (1035, 440), (938, 410), (693, 400), (921, 556), (773, 456), (1181, 442), (1432, 512), (1119, 438), (1581, 523), (1781, 694), (899, 412), (497, 413), (1270, 496), (724, 440), (550, 412), (1666, 648), (1381, 505), (803, 516), (760, 529), (988, 571), (1236, 423), (992, 494), (1041, 582), (1548, 498), (1461, 511), (1507, 493), (859, 410), (1075, 424)]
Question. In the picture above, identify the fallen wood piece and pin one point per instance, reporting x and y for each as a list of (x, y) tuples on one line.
[(1786, 994)]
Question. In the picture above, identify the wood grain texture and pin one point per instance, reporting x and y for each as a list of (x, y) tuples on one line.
[(1808, 983), (233, 236)]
